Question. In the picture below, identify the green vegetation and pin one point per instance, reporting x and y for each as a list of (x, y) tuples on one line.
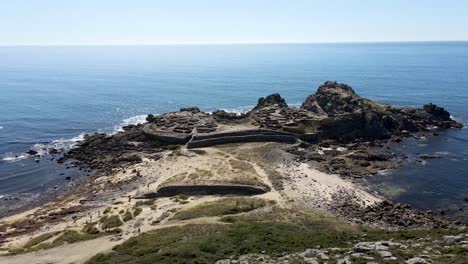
[(73, 236), (274, 232), (222, 207), (90, 229), (144, 203), (107, 210), (69, 236), (208, 243), (110, 222), (39, 239), (137, 211), (127, 216)]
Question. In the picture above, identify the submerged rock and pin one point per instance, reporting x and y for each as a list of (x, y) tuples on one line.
[(31, 152)]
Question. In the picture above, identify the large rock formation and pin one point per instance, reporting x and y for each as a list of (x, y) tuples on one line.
[(334, 98), (271, 100), (334, 112), (347, 116)]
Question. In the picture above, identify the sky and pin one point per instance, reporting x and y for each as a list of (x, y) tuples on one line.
[(118, 22)]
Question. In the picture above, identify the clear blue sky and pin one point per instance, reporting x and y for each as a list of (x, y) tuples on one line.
[(28, 22)]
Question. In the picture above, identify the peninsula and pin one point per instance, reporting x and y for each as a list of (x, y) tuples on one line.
[(277, 184)]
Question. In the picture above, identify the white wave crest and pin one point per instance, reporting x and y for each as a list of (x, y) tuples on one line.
[(238, 110), (66, 144), (384, 172), (134, 120), (244, 109), (43, 149), (11, 157), (58, 144)]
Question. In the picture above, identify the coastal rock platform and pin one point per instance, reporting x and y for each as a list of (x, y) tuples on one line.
[(192, 185)]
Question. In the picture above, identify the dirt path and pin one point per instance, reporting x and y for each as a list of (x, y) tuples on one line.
[(70, 253)]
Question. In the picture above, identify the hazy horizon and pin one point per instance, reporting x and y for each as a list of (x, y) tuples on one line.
[(229, 43), (206, 22)]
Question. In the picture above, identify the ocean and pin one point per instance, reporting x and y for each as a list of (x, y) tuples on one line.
[(53, 95)]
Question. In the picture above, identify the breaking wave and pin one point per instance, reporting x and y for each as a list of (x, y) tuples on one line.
[(134, 120), (244, 109), (66, 144)]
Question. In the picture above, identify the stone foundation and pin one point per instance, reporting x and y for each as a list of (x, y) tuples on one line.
[(207, 189)]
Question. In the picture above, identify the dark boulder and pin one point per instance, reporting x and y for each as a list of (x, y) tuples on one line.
[(31, 152), (192, 109), (334, 98), (271, 100), (151, 118), (437, 112), (221, 115)]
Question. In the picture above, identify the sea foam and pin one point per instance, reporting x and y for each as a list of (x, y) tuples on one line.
[(134, 120), (66, 144)]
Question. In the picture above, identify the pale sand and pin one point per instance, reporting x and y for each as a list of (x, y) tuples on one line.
[(315, 189), (302, 184)]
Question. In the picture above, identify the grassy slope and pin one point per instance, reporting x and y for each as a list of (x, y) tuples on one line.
[(272, 232)]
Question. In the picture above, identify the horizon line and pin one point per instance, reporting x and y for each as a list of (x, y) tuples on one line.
[(224, 43)]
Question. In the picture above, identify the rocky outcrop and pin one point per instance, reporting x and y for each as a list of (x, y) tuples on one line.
[(271, 100), (334, 98), (347, 116), (104, 152), (390, 215), (334, 112), (412, 250), (223, 116)]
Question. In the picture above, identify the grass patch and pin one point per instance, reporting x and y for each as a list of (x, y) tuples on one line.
[(241, 165), (127, 216), (39, 239), (137, 211), (208, 243), (276, 231), (144, 203), (73, 236), (223, 206), (110, 222), (90, 229)]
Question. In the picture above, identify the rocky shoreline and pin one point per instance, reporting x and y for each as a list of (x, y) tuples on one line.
[(315, 156), (335, 130)]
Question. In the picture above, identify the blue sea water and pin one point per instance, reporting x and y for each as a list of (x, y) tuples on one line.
[(52, 95)]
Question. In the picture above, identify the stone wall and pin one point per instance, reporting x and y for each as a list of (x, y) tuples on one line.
[(241, 139), (218, 189)]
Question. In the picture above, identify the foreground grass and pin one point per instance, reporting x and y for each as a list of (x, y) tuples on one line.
[(68, 237), (221, 207), (208, 243), (274, 232), (197, 243)]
